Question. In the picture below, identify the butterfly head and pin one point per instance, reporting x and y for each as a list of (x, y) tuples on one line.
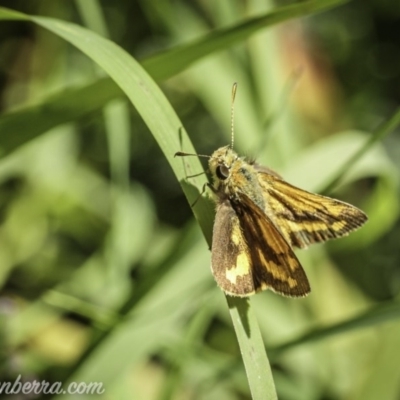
[(221, 163)]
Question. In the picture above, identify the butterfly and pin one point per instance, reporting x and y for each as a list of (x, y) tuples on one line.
[(260, 218)]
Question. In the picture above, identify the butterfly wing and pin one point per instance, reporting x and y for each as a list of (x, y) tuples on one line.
[(250, 254), (303, 217)]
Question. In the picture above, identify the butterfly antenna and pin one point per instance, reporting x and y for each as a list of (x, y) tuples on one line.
[(183, 154), (234, 87)]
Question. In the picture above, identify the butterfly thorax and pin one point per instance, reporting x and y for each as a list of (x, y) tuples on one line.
[(233, 176)]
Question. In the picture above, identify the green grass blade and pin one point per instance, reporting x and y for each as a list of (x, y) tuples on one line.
[(377, 315), (147, 98), (18, 127), (252, 349), (168, 131), (374, 317), (377, 135), (23, 125), (171, 62)]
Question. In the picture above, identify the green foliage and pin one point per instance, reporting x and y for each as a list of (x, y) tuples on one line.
[(105, 277)]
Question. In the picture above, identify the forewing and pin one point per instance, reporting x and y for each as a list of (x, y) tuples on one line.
[(303, 217), (249, 253)]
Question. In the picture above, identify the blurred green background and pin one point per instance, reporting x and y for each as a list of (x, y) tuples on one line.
[(105, 274)]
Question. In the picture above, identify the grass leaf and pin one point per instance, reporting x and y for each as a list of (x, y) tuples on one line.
[(379, 314), (171, 62), (383, 130), (169, 133), (252, 349), (77, 102)]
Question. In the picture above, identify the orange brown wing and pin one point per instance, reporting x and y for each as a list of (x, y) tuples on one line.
[(303, 217)]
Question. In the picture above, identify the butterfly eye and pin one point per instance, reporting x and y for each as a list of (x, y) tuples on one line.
[(222, 172)]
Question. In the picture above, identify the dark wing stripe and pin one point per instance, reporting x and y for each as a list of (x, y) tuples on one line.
[(274, 263)]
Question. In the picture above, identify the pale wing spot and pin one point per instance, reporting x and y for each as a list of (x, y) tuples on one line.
[(337, 226), (242, 268), (308, 226), (292, 283), (336, 210), (236, 235)]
